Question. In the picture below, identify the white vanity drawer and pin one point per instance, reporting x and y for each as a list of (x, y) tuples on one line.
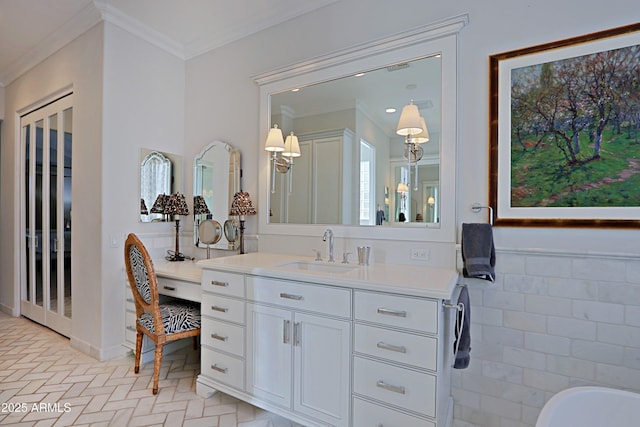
[(397, 346), (219, 307), (222, 282), (404, 388), (368, 414), (326, 300), (223, 336), (412, 313), (180, 289), (223, 368)]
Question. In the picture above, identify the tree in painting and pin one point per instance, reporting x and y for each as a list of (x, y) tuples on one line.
[(575, 127)]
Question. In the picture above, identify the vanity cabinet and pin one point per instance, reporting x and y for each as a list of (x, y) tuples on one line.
[(223, 328), (346, 349), (298, 355), (396, 359)]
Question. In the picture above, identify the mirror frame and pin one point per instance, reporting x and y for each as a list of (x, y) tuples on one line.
[(432, 39)]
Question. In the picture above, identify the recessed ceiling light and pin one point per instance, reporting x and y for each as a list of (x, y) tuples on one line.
[(390, 110), (295, 90), (359, 75)]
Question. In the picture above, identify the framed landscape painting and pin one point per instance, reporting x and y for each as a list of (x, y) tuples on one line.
[(565, 132)]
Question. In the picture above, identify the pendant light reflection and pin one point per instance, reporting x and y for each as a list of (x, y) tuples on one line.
[(414, 128)]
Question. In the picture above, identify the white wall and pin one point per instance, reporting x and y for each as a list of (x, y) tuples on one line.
[(143, 108), (582, 280)]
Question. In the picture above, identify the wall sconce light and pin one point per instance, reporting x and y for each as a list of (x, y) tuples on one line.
[(290, 149), (176, 205), (240, 207), (414, 128)]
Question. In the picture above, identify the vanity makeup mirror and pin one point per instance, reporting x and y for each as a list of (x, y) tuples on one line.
[(159, 174), (368, 135), (216, 177)]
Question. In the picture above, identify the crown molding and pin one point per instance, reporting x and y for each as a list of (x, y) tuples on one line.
[(114, 16), (79, 24)]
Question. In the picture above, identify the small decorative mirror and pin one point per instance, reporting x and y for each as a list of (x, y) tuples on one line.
[(216, 176), (210, 233), (159, 175)]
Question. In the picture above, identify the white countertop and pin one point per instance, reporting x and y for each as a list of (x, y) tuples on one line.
[(424, 281), (180, 270)]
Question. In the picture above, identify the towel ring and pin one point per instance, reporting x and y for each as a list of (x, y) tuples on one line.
[(476, 208)]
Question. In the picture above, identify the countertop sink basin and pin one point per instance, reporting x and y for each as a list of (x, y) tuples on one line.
[(319, 266)]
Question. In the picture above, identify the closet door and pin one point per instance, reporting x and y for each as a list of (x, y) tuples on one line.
[(46, 135)]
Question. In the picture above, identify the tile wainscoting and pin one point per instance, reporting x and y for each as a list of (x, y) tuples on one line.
[(551, 321)]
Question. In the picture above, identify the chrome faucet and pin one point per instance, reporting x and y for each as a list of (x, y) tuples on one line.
[(329, 232)]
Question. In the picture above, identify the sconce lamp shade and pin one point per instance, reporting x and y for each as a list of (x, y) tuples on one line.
[(275, 141), (143, 208), (291, 146), (402, 188), (409, 123), (200, 206), (431, 201), (423, 136), (242, 205), (176, 205), (159, 204)]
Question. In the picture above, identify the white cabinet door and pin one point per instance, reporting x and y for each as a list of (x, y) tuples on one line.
[(321, 364), (269, 354)]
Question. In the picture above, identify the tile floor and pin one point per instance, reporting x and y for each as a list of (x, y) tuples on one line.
[(46, 382)]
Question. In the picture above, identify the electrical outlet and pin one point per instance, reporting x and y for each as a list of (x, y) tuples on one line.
[(420, 254)]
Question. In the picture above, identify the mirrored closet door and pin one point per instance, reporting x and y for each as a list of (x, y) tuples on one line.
[(46, 137)]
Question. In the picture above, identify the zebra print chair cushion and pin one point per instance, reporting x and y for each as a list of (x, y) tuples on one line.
[(176, 317), (140, 273)]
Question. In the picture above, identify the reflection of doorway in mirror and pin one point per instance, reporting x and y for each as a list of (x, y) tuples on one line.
[(367, 183), (430, 201)]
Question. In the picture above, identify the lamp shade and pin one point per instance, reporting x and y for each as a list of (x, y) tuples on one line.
[(291, 146), (409, 123), (159, 204), (242, 204), (402, 188), (275, 141), (200, 206), (143, 208), (423, 136), (176, 205)]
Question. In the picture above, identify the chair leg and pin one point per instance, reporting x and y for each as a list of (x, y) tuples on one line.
[(156, 367), (139, 337)]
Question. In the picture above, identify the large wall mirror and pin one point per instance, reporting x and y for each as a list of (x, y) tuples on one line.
[(353, 171), (216, 177), (160, 174)]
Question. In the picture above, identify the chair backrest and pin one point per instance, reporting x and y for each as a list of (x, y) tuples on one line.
[(142, 279)]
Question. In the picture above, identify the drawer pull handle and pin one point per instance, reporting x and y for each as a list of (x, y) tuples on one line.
[(390, 312), (130, 300), (397, 348), (291, 296), (220, 309), (393, 388), (219, 369), (169, 288), (297, 334), (217, 283), (218, 337), (131, 328)]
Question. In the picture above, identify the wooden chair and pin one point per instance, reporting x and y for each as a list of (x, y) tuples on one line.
[(162, 323)]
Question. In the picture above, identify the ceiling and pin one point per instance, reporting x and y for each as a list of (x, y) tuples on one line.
[(30, 30)]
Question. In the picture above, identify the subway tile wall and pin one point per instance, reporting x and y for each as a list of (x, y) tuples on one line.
[(550, 322)]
